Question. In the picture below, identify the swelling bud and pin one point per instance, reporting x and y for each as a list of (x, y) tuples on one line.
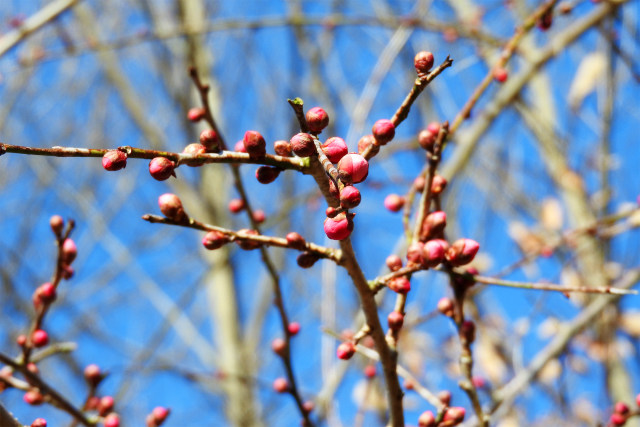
[(317, 119), (114, 160), (302, 145), (353, 168), (462, 252), (338, 227), (161, 168), (335, 149), (254, 144), (171, 207)]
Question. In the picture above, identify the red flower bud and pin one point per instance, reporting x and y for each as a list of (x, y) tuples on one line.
[(33, 397), (394, 202), (317, 119), (423, 61), (280, 385), (419, 184), (454, 414), (239, 147), (196, 114), (293, 328), (254, 144), (401, 285), (296, 241), (500, 74), (111, 420), (433, 253), (302, 145), (278, 345), (395, 320), (92, 374), (44, 294), (267, 174), (161, 168), (210, 139), (383, 131), (468, 329), (617, 419), (426, 139), (434, 128), (338, 227), (259, 216), (433, 225), (353, 168), (462, 252), (39, 422), (621, 408), (66, 272), (246, 244), (445, 306), (335, 148), (445, 397), (370, 371), (365, 142), (159, 415), (214, 240), (346, 350), (69, 251), (39, 338), (427, 419), (195, 149), (114, 160), (105, 405), (236, 206), (394, 262), (21, 340), (282, 148), (349, 197), (171, 207), (414, 253), (307, 259), (57, 224), (438, 184), (308, 406)]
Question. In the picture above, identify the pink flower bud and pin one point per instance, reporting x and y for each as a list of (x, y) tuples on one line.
[(195, 114), (400, 285), (423, 61), (69, 251), (433, 225), (39, 338), (195, 149), (39, 422), (427, 419), (210, 139), (267, 174), (33, 397), (395, 320), (478, 382), (259, 216), (278, 345), (282, 148), (419, 184), (500, 74), (349, 197), (160, 414), (307, 259), (246, 244), (433, 253), (434, 128), (638, 399), (365, 142), (171, 207), (335, 148), (296, 241), (214, 240), (239, 147), (454, 414), (254, 144), (346, 350), (114, 160), (92, 374), (317, 119), (111, 420), (353, 168), (302, 145), (338, 227), (66, 272), (21, 340), (621, 408), (426, 139), (161, 168), (414, 253), (462, 252), (44, 294), (438, 184), (293, 328), (33, 368), (383, 131), (105, 405), (394, 262), (394, 202), (236, 205), (370, 371), (617, 419), (280, 385), (446, 307), (57, 224), (308, 406)]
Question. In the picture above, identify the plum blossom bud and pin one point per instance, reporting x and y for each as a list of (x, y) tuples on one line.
[(44, 294), (195, 114), (400, 285), (353, 168), (278, 345), (33, 397), (446, 307), (338, 227), (433, 225), (308, 406), (195, 149), (500, 74), (302, 145), (426, 139), (66, 271), (419, 183), (239, 147), (423, 61), (171, 207), (296, 241), (267, 174), (414, 253), (433, 253), (370, 371), (105, 405), (454, 414), (438, 184), (462, 252), (39, 338), (259, 216), (394, 202), (210, 139), (317, 119), (427, 419), (395, 320), (280, 385), (111, 420), (114, 160), (246, 244), (293, 328), (236, 205), (254, 144), (92, 374), (21, 340), (161, 168), (214, 240), (434, 128), (335, 148), (282, 148), (157, 416), (349, 197), (346, 350), (617, 419), (307, 259), (57, 224), (69, 251), (621, 408), (445, 397), (394, 262), (39, 422), (383, 131), (365, 142)]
